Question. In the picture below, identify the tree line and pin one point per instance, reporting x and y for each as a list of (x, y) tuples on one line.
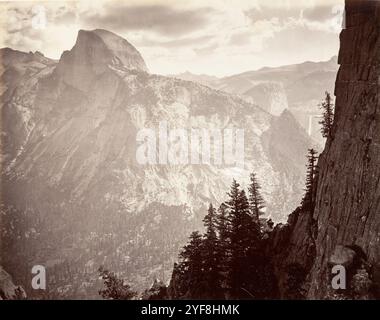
[(227, 261)]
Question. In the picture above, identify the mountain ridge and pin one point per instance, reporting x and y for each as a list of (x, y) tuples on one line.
[(71, 141), (297, 87)]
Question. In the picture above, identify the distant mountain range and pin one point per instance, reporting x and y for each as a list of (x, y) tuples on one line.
[(299, 88)]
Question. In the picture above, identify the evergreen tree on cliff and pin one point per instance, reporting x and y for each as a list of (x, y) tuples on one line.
[(229, 260), (244, 236), (223, 227), (211, 255), (256, 201), (115, 288), (191, 266), (327, 107), (307, 201)]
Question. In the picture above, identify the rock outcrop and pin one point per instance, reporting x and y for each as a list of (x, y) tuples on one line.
[(94, 53), (344, 227), (348, 196), (8, 290)]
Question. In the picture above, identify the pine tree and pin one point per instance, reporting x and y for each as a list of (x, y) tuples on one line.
[(234, 248), (223, 225), (327, 116), (230, 259), (256, 201), (115, 288), (158, 291), (210, 224), (307, 201), (249, 227), (244, 236), (192, 253), (223, 228), (191, 265), (211, 255), (233, 203)]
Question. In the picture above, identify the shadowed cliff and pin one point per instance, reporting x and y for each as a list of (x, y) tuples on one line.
[(344, 226)]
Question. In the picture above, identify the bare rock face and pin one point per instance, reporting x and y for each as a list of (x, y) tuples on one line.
[(19, 75), (93, 53), (8, 290), (342, 256), (348, 196), (271, 96), (344, 226), (291, 247)]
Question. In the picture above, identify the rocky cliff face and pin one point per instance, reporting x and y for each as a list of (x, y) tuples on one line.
[(95, 52), (344, 227), (348, 197), (71, 183), (8, 290)]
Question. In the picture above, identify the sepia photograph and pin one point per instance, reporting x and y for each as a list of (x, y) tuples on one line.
[(190, 150)]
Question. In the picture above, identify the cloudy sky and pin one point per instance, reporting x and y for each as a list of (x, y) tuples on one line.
[(217, 37)]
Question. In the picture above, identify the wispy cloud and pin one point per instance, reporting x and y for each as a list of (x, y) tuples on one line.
[(161, 19), (218, 38)]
